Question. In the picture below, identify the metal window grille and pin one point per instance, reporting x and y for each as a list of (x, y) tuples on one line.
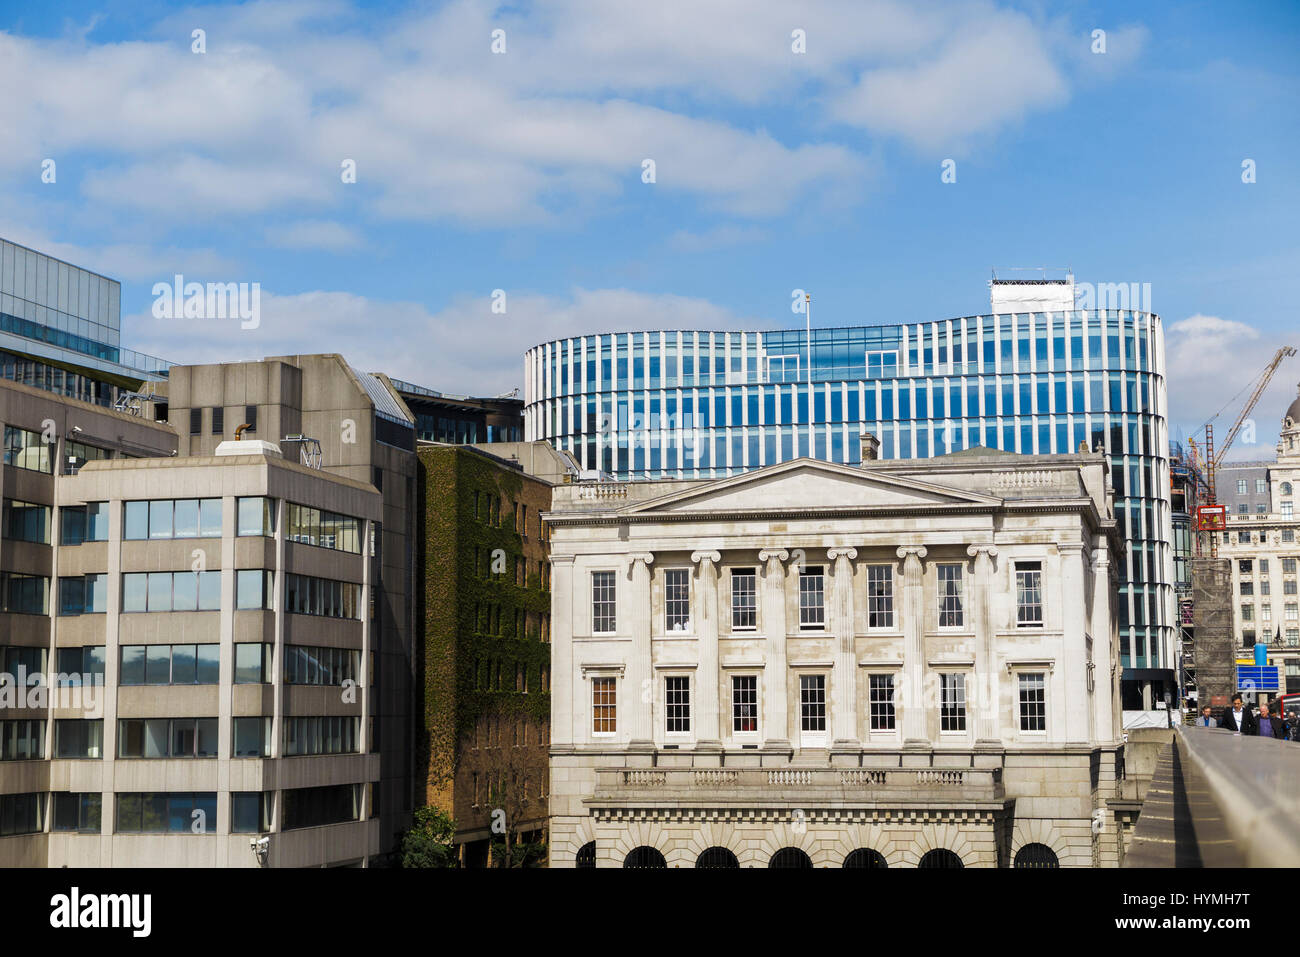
[(744, 598), (880, 596), (604, 708), (1036, 856), (812, 598), (677, 599), (940, 858), (645, 858), (602, 602), (865, 857), (1029, 594), (882, 703), (717, 857), (951, 613), (1033, 702), (744, 703), (812, 702), (952, 702), (677, 700), (790, 858)]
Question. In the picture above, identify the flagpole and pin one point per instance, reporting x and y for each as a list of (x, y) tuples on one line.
[(808, 316)]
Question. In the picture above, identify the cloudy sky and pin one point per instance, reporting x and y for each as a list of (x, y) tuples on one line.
[(523, 170)]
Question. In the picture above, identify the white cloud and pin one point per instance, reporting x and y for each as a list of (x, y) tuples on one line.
[(983, 77), (441, 127), (464, 347), (1212, 365)]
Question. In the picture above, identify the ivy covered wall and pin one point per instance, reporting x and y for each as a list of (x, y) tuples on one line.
[(463, 644)]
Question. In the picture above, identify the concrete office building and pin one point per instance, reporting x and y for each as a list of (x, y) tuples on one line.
[(899, 663), (354, 425), (1036, 376), (190, 585), (257, 682)]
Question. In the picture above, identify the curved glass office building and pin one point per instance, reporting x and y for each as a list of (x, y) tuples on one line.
[(694, 404)]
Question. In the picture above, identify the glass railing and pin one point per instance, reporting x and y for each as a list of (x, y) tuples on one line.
[(81, 345)]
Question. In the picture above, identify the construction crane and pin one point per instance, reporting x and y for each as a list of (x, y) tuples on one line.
[(1261, 383), (1217, 516)]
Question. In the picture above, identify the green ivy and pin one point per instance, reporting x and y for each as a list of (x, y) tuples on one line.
[(450, 478)]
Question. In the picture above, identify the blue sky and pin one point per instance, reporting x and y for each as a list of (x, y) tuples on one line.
[(775, 170)]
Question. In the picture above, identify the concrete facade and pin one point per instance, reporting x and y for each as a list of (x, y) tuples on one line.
[(365, 433), (330, 771), (229, 478), (813, 715)]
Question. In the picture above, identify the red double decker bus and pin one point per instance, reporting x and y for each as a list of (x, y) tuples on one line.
[(1290, 705)]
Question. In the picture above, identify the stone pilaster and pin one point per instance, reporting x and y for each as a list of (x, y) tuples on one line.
[(641, 689), (1104, 629), (1074, 625), (562, 677), (844, 674), (776, 728), (913, 621), (705, 618), (987, 730)]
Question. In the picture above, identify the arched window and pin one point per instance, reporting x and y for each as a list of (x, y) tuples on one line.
[(717, 857), (865, 857), (790, 857), (1036, 855), (586, 855), (645, 857), (1286, 488), (940, 858)]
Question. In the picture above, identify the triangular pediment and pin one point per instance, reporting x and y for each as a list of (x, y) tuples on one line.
[(810, 483)]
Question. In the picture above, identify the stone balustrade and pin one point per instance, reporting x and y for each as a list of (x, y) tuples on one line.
[(739, 785)]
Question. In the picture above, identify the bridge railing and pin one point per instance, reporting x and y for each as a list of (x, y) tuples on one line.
[(1219, 799)]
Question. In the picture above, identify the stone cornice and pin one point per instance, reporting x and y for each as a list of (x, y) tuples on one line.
[(579, 519)]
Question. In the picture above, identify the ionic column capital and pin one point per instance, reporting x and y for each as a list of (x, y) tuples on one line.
[(987, 552), (706, 559), (639, 558), (769, 555), (842, 551), (906, 550)]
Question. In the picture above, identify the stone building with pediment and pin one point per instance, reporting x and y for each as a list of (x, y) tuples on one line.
[(903, 663)]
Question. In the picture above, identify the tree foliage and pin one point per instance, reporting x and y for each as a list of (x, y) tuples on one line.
[(428, 842)]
